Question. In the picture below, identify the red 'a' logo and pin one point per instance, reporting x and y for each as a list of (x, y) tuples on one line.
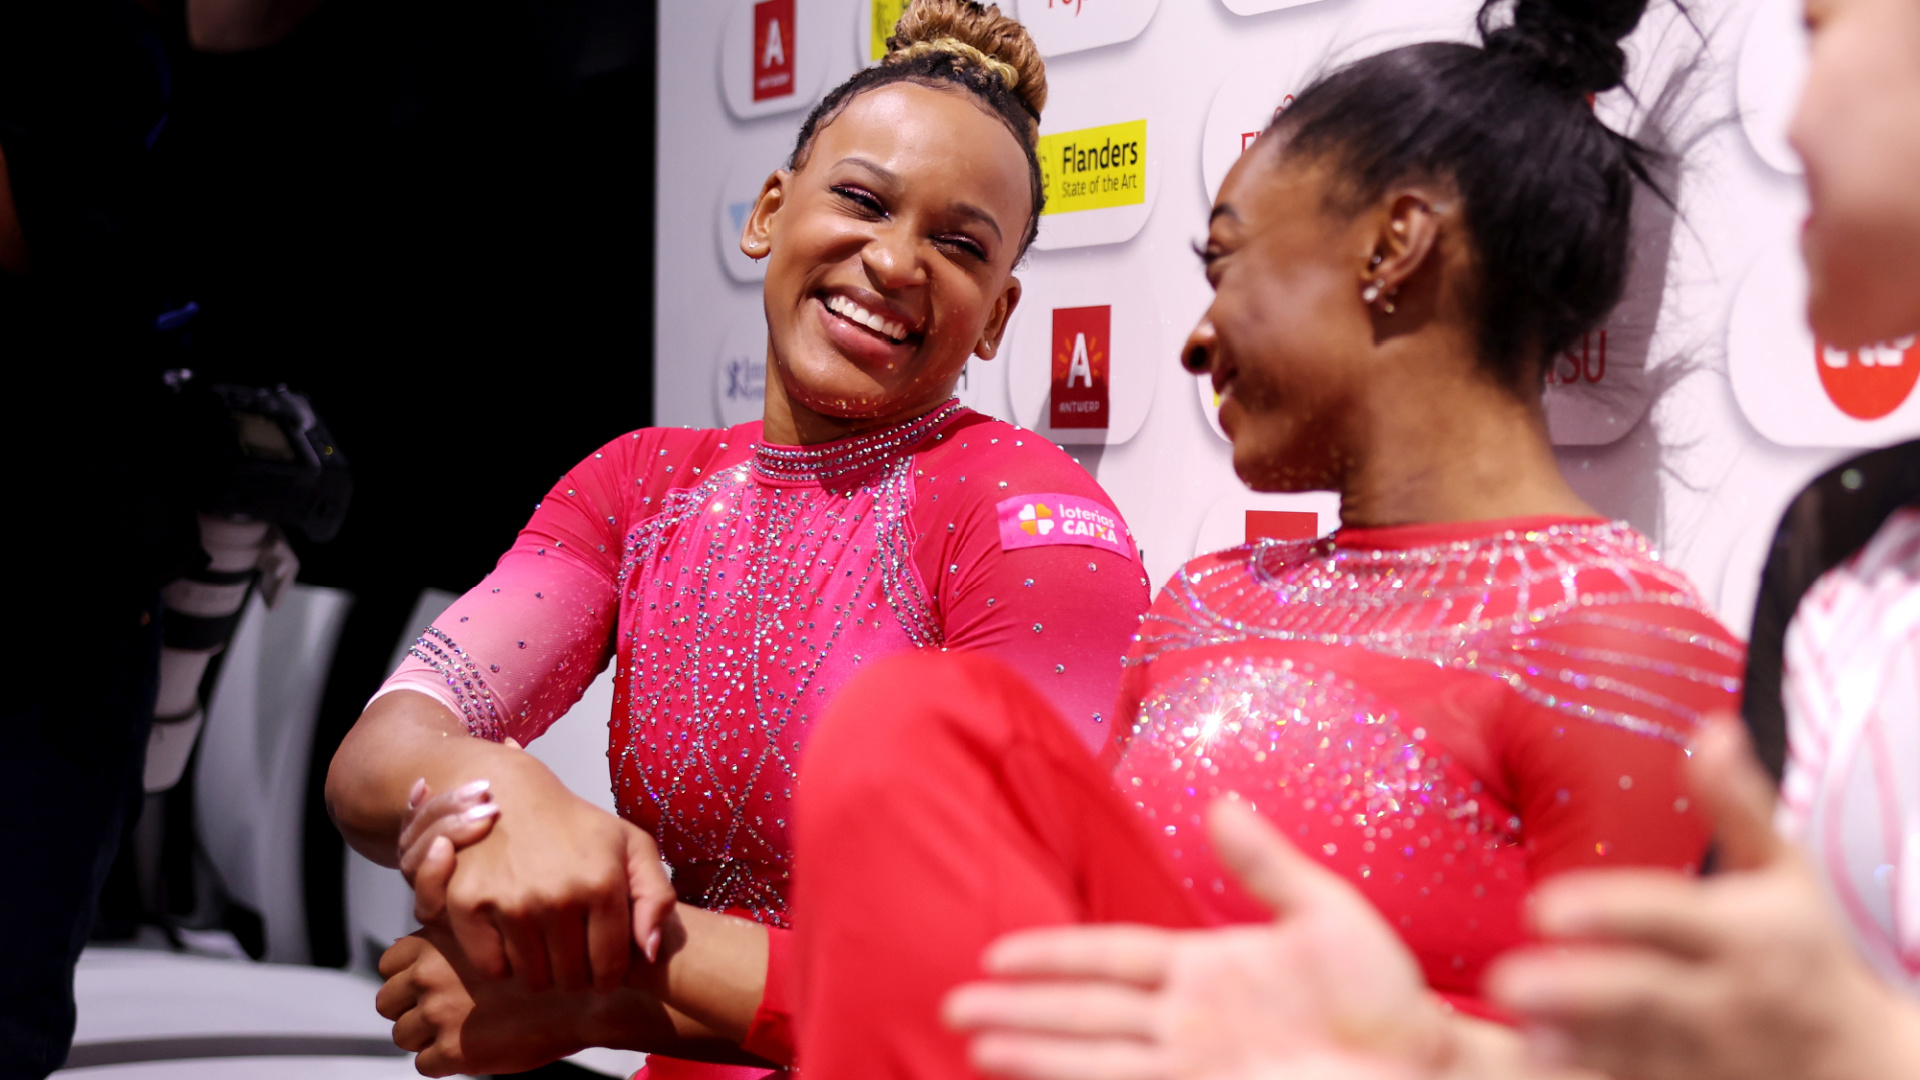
[(1870, 382), (772, 49), (1082, 349)]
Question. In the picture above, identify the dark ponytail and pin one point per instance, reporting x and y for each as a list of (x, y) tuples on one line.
[(1546, 188)]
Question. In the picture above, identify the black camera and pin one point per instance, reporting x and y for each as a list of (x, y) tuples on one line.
[(262, 453)]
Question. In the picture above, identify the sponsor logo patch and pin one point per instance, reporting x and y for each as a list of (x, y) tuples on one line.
[(1038, 520)]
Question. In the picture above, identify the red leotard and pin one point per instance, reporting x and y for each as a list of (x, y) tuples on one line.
[(1445, 714)]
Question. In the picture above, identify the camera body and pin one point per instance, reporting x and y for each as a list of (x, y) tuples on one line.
[(263, 454)]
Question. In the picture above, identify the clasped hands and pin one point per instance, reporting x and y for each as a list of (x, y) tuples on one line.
[(1642, 975), (525, 954)]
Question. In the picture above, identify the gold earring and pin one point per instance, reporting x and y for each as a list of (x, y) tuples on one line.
[(1387, 308)]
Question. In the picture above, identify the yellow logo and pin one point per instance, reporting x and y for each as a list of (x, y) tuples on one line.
[(886, 14), (1094, 168)]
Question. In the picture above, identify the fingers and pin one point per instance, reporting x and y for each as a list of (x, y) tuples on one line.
[(1082, 1009), (430, 879), (610, 938), (1270, 867), (463, 829), (526, 952), (1589, 987), (565, 931), (1656, 909), (1036, 1057), (478, 937), (432, 808), (1138, 955), (1737, 792), (398, 995), (651, 896), (412, 1032), (401, 955)]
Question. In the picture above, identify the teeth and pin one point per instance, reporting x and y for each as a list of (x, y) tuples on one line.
[(853, 312)]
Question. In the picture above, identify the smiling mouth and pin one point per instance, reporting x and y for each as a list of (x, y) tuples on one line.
[(880, 326)]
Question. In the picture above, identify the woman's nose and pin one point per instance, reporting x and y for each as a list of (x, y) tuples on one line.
[(891, 260), (1197, 355)]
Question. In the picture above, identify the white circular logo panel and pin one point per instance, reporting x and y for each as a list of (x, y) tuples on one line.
[(773, 55), (1771, 69), (1081, 367), (740, 372), (1799, 392), (1059, 27), (1251, 97)]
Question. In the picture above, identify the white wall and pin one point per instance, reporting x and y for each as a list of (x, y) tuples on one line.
[(1695, 443)]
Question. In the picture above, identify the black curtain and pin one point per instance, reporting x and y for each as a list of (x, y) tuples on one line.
[(436, 220)]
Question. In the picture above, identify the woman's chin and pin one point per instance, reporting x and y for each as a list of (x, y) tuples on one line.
[(1268, 472)]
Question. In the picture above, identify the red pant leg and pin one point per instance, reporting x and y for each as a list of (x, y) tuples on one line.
[(945, 803)]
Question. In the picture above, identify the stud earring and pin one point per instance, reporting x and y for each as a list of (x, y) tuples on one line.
[(1372, 292), (1374, 264), (1387, 308)]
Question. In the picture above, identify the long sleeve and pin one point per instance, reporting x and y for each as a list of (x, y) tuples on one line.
[(517, 651)]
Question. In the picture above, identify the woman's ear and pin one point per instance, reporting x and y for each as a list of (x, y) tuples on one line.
[(1409, 230), (756, 237), (996, 327)]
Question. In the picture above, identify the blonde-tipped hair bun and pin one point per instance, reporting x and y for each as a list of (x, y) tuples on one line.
[(979, 34)]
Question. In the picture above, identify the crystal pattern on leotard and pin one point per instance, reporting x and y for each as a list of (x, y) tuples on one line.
[(1281, 731), (745, 598), (1478, 605), (463, 677)]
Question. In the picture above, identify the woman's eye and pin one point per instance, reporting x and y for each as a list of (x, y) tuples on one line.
[(864, 200), (962, 243)]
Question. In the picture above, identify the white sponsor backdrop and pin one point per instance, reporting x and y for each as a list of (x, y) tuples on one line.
[(1695, 419)]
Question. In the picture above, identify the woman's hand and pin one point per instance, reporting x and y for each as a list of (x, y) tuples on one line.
[(458, 1021), (1744, 975), (1327, 989), (496, 1027), (548, 888)]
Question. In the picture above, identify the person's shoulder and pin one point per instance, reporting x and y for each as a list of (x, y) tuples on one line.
[(1623, 587), (999, 461)]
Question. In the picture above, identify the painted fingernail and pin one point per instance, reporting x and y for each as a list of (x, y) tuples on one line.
[(474, 787), (480, 813), (652, 946), (416, 793)]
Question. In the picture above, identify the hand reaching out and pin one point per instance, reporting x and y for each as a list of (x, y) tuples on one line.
[(1745, 975), (1327, 989)]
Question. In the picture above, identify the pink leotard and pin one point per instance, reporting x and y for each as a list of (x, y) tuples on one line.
[(735, 585)]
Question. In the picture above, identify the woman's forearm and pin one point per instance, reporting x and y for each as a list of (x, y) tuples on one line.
[(404, 737), (712, 969)]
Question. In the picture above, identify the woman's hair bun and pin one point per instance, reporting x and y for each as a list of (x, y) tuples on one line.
[(999, 39), (1574, 44)]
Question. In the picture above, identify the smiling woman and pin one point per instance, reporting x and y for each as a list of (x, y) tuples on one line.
[(736, 579), (1473, 686)]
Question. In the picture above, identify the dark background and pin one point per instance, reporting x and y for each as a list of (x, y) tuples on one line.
[(436, 220)]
